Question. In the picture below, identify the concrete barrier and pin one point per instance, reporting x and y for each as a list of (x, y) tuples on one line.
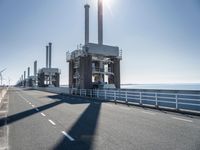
[(3, 92), (57, 90)]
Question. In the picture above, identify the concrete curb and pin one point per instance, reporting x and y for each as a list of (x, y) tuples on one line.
[(2, 95)]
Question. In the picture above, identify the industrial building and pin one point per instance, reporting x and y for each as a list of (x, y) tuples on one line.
[(45, 77), (29, 81), (48, 76), (94, 65)]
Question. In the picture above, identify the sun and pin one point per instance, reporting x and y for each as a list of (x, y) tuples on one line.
[(108, 3)]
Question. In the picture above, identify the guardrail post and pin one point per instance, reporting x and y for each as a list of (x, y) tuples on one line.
[(97, 93), (140, 98), (176, 101), (126, 97), (90, 93), (105, 94), (156, 96)]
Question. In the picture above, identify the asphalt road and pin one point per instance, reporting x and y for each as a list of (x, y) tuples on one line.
[(40, 120)]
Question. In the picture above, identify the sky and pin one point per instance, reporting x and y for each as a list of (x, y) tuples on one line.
[(160, 39)]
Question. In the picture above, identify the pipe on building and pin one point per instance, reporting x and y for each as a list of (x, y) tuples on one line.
[(100, 22), (24, 75), (28, 72), (35, 69), (47, 56), (50, 50), (87, 28)]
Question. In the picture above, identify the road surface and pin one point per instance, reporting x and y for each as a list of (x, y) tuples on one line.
[(35, 120)]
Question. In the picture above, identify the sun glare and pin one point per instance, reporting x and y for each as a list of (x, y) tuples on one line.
[(108, 4)]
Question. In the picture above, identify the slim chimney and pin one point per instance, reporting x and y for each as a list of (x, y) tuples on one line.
[(24, 75), (28, 72), (100, 22), (47, 56), (87, 26), (50, 47), (35, 69)]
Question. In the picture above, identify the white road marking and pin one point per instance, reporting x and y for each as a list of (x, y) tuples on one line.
[(3, 148), (68, 136), (33, 105), (2, 112), (181, 119), (147, 112), (43, 114), (29, 103), (53, 123)]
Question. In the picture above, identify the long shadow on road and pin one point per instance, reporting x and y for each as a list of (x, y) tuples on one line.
[(83, 130)]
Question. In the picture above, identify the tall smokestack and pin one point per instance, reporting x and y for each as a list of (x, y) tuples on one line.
[(50, 47), (100, 22), (87, 26), (35, 72), (24, 75), (28, 72), (35, 69), (47, 56)]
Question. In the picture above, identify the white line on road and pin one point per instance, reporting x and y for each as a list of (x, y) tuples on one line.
[(43, 114), (29, 103), (68, 136), (3, 112), (182, 119), (33, 105), (53, 123), (147, 112)]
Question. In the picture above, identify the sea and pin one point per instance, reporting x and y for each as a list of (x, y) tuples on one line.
[(185, 86), (181, 86)]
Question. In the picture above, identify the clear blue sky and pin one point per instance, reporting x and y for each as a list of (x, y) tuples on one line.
[(160, 38)]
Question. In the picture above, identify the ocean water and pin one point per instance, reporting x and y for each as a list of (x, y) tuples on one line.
[(162, 86), (194, 86)]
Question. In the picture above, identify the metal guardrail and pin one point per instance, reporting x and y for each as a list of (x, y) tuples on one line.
[(171, 99)]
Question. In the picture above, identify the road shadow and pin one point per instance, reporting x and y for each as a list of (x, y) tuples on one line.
[(16, 117), (83, 130)]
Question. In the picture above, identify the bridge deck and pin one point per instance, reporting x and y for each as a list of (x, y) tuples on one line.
[(42, 120)]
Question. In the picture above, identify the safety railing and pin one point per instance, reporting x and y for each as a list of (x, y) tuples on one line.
[(171, 99)]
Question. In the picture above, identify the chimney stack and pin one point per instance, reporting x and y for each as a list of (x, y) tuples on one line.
[(87, 26), (24, 75), (47, 56), (50, 47), (100, 22), (35, 69), (28, 72)]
